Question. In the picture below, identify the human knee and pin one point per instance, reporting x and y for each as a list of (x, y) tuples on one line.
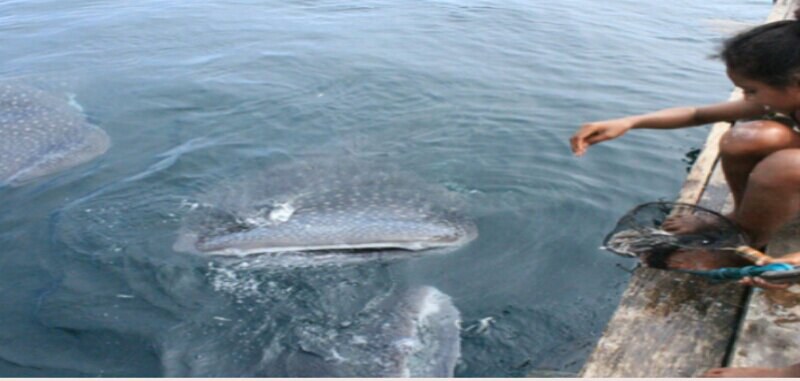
[(779, 169), (760, 137)]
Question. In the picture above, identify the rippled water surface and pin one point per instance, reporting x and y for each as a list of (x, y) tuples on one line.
[(478, 97)]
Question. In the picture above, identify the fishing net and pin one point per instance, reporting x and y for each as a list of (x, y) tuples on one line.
[(709, 244)]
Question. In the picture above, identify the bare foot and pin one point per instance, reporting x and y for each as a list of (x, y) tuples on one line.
[(690, 223), (789, 371)]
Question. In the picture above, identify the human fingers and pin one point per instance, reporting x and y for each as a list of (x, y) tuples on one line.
[(606, 131), (760, 282), (593, 133), (675, 225), (598, 136), (578, 141), (791, 258), (668, 223), (583, 143), (763, 261), (578, 146)]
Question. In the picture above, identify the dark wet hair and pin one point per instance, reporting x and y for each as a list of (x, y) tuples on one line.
[(768, 53)]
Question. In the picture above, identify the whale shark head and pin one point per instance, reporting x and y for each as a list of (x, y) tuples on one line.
[(324, 208)]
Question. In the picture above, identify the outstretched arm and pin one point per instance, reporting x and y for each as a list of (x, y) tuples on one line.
[(596, 132)]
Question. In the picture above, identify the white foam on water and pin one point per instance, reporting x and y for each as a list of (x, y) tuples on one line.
[(282, 212), (72, 101), (431, 305)]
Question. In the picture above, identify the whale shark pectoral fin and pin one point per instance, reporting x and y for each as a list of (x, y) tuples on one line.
[(439, 332), (425, 333)]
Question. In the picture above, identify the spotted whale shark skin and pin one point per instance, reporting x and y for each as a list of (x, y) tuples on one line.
[(41, 134), (411, 333), (323, 208)]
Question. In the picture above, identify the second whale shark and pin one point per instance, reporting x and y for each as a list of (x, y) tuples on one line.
[(41, 134)]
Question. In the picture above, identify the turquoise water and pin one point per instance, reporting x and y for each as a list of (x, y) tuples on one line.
[(477, 96)]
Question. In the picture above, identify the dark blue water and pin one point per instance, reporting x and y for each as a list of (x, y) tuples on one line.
[(477, 96)]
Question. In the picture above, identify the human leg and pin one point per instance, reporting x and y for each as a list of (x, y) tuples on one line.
[(741, 148), (771, 196), (746, 144)]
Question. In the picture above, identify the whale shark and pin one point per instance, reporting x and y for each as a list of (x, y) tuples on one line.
[(321, 310), (41, 134), (326, 207), (411, 333)]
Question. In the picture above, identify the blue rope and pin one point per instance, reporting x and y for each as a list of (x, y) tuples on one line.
[(732, 273)]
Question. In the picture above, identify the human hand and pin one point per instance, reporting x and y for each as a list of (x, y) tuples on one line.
[(760, 282), (596, 132), (791, 259)]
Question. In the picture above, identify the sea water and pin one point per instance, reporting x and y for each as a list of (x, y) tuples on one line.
[(479, 96)]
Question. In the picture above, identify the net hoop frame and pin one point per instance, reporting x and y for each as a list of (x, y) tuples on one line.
[(740, 233)]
